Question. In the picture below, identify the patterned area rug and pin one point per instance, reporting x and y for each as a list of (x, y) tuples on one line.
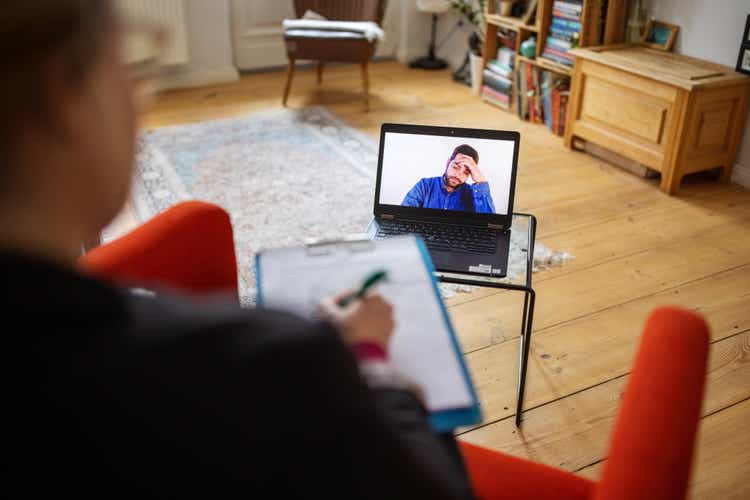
[(286, 177)]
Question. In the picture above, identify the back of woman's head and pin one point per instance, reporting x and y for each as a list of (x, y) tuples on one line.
[(33, 34), (68, 125)]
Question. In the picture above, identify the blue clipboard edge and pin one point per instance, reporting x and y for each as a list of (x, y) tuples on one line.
[(258, 281), (441, 421), (447, 420)]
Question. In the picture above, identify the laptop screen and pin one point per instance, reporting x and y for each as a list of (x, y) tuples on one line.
[(447, 172)]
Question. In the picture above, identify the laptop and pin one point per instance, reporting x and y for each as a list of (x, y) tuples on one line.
[(452, 186)]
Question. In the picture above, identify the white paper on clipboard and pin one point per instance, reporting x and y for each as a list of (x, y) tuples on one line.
[(423, 346)]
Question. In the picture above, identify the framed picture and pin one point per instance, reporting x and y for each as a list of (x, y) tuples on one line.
[(743, 59), (660, 35)]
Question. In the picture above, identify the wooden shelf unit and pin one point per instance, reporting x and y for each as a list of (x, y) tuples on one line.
[(594, 31)]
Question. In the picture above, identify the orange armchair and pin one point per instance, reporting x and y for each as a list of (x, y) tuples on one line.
[(190, 248), (653, 441), (187, 248)]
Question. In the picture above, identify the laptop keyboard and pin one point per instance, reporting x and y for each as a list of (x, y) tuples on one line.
[(444, 236)]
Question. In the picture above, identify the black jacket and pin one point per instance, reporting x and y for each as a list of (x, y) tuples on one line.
[(118, 394)]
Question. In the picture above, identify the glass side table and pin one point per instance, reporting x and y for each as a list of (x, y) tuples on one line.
[(520, 267)]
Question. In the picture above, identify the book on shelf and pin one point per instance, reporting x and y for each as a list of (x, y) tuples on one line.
[(496, 81), (538, 108), (559, 110), (565, 15), (568, 36), (497, 98), (530, 90), (567, 10), (566, 25), (500, 69), (541, 96), (564, 33), (559, 43), (522, 107), (502, 96), (505, 56), (507, 38), (547, 98), (573, 5), (558, 55)]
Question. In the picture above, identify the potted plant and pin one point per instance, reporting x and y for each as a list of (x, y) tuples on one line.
[(473, 12)]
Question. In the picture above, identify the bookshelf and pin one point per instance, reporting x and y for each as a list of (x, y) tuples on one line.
[(601, 22)]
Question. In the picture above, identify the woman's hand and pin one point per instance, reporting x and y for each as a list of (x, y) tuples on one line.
[(366, 320)]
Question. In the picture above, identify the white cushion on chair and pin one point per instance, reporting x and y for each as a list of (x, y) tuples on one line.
[(368, 29), (297, 33)]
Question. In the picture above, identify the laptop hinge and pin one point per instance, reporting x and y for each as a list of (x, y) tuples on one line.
[(494, 226), (387, 216)]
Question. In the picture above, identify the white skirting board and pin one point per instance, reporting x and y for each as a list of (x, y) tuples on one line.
[(741, 175), (198, 77)]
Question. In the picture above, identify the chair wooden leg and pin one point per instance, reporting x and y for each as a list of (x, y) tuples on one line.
[(289, 77), (366, 83), (320, 72)]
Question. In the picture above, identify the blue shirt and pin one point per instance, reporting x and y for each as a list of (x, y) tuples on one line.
[(431, 193)]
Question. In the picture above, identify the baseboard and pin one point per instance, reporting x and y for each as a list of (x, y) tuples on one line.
[(741, 176), (406, 55), (198, 77)]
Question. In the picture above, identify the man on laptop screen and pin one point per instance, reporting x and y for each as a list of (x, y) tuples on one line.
[(451, 191), (431, 182)]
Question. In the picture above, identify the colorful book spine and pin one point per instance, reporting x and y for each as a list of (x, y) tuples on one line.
[(555, 110), (568, 5), (566, 25), (530, 90), (499, 100), (499, 69), (559, 44), (501, 96), (564, 35), (560, 54), (565, 15), (546, 98), (548, 54), (496, 81)]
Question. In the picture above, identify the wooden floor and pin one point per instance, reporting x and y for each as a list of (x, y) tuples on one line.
[(634, 248)]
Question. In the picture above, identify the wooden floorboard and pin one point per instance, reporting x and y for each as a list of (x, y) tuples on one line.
[(574, 431), (635, 249), (579, 354), (722, 461)]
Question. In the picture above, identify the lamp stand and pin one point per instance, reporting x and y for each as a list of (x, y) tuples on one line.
[(430, 62)]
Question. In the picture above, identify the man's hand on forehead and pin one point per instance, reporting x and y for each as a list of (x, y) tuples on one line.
[(470, 167)]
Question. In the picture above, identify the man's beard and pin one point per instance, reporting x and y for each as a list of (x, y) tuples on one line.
[(447, 184)]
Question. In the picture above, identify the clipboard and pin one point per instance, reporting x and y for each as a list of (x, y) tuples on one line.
[(424, 345)]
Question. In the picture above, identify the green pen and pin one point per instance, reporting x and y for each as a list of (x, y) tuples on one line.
[(366, 285)]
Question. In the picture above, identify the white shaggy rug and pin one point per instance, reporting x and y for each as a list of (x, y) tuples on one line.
[(286, 177)]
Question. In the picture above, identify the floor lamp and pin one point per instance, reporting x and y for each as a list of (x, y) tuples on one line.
[(434, 7)]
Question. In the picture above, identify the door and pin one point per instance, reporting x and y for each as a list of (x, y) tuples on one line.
[(257, 35)]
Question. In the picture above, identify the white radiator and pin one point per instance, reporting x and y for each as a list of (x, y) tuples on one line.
[(169, 14)]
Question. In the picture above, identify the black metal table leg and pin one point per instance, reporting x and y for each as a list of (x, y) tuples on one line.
[(525, 345), (528, 307)]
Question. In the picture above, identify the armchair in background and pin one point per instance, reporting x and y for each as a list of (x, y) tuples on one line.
[(334, 43)]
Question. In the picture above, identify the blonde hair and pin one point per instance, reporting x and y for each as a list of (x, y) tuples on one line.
[(31, 33)]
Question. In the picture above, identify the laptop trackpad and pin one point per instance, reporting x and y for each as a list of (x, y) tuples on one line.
[(480, 264)]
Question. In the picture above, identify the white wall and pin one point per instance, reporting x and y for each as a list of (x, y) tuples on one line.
[(414, 37), (209, 45), (712, 30)]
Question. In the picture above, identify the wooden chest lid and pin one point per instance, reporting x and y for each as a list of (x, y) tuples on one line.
[(681, 71)]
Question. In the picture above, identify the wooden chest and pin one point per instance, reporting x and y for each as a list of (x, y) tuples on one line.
[(671, 113)]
